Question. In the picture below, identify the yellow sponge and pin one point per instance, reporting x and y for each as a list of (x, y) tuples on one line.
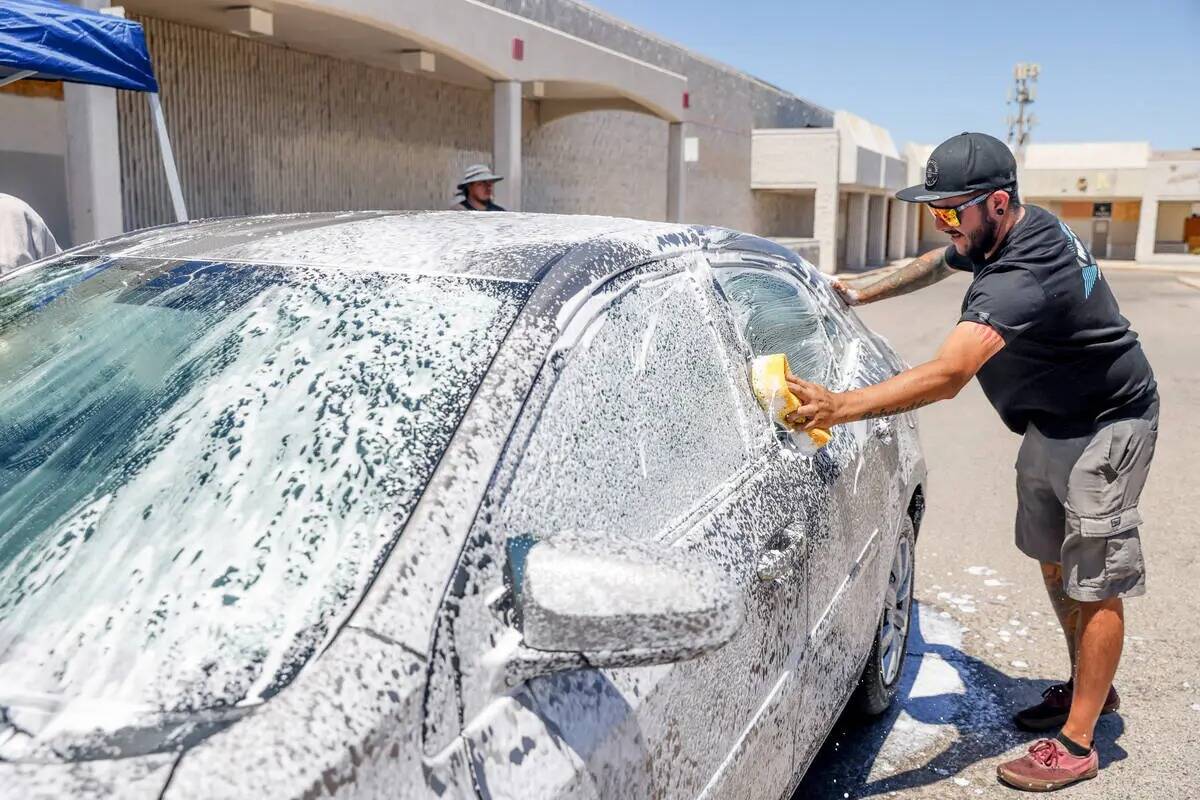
[(768, 377)]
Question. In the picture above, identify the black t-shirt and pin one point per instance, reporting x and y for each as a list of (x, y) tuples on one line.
[(1070, 359), (490, 206)]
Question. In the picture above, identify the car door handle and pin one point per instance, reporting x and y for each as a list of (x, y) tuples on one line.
[(780, 560)]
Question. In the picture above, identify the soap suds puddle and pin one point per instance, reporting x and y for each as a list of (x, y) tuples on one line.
[(949, 723)]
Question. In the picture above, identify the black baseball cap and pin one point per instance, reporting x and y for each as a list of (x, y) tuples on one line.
[(963, 164)]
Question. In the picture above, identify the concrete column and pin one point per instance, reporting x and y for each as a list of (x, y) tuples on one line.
[(825, 208), (856, 231), (897, 228), (93, 159), (912, 240), (93, 163), (506, 142), (876, 229), (676, 173), (1147, 230)]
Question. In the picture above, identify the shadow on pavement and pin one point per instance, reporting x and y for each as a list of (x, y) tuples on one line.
[(927, 737)]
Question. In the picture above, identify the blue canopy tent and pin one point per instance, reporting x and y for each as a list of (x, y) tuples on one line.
[(54, 41)]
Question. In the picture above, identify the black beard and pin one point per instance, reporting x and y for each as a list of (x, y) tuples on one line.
[(983, 241)]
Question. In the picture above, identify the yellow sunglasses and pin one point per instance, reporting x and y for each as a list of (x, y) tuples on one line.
[(949, 216)]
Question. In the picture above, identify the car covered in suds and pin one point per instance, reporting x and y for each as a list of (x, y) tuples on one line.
[(436, 505)]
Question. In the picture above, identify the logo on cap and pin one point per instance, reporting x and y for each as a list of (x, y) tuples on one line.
[(931, 174)]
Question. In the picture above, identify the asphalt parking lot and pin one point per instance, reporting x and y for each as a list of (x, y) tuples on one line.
[(986, 641)]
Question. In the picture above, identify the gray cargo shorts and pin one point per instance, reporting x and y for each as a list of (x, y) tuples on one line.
[(1077, 504)]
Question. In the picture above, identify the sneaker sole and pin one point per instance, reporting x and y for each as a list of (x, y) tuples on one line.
[(1037, 726), (1029, 785)]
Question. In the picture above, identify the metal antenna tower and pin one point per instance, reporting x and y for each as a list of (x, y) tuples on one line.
[(1023, 93)]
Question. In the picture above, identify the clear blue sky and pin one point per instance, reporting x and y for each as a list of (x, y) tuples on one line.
[(1112, 70)]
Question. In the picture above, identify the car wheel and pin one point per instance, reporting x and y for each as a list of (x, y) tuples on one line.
[(881, 677)]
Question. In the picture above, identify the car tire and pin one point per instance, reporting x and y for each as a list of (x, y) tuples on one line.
[(885, 666)]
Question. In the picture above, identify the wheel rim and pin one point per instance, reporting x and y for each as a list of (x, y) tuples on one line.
[(893, 630)]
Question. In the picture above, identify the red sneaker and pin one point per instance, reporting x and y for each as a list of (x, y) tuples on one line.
[(1055, 707), (1048, 766)]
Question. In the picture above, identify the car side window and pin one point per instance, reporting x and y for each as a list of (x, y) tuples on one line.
[(777, 314), (641, 424)]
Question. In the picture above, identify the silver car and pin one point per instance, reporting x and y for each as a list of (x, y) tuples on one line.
[(436, 505)]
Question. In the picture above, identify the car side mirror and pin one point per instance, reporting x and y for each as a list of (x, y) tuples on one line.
[(588, 600)]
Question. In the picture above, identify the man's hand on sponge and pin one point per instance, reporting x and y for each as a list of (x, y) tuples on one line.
[(819, 407), (769, 377)]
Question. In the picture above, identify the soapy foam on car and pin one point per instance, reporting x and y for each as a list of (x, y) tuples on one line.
[(258, 502)]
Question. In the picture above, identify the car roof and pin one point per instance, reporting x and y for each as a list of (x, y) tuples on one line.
[(504, 246)]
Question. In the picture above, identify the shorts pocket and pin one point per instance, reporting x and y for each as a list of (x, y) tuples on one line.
[(1099, 567), (1123, 559), (1124, 439), (1106, 481), (1110, 525)]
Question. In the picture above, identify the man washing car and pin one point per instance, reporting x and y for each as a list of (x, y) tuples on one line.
[(1041, 330)]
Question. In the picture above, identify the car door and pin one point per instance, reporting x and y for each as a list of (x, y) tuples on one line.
[(780, 308), (643, 429)]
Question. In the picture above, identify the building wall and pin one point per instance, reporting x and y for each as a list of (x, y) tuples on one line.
[(1081, 183), (33, 147), (725, 106), (259, 129), (1079, 217), (803, 161), (1172, 183), (597, 162), (262, 129), (788, 158), (1174, 175), (1087, 155), (785, 214), (843, 211)]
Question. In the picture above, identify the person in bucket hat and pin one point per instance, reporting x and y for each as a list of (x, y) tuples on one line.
[(476, 189)]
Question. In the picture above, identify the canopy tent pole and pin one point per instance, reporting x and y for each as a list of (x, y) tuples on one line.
[(55, 40), (17, 76), (168, 157)]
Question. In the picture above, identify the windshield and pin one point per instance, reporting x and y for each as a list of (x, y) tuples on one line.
[(201, 467)]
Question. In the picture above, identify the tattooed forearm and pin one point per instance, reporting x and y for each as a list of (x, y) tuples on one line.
[(959, 359), (891, 412), (922, 271)]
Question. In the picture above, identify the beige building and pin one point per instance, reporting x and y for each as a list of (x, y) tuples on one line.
[(845, 177), (1094, 187), (310, 105), (353, 104), (319, 105), (1124, 200)]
